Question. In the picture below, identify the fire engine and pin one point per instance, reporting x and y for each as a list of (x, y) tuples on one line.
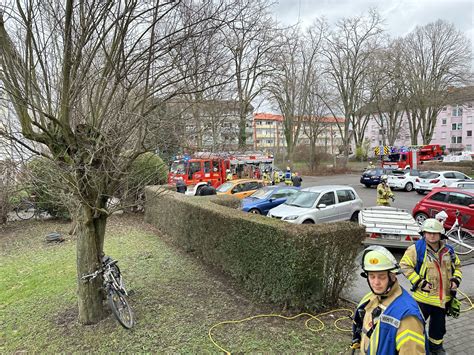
[(431, 152), (402, 158), (201, 167)]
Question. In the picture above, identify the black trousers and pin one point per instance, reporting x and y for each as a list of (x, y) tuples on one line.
[(436, 317)]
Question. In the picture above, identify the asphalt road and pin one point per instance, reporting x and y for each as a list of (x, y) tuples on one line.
[(403, 199), (406, 200)]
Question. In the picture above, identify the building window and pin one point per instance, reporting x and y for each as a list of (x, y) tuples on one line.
[(257, 141), (445, 108), (269, 123), (469, 147), (469, 119), (459, 126), (469, 133), (453, 139), (453, 127), (269, 141), (443, 121), (443, 135), (456, 126), (459, 140), (457, 111)]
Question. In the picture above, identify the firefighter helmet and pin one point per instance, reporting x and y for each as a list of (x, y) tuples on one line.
[(378, 258), (384, 178), (432, 225)]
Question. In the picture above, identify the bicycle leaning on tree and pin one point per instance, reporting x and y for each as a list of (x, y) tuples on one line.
[(115, 291)]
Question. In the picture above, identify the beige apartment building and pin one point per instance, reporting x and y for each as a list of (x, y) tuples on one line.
[(268, 133)]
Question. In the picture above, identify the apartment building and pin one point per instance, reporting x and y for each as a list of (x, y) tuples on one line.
[(454, 124), (268, 133)]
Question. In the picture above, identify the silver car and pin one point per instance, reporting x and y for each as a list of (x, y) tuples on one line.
[(319, 204)]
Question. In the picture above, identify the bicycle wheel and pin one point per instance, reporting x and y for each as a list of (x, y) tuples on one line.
[(120, 307), (465, 237), (25, 210)]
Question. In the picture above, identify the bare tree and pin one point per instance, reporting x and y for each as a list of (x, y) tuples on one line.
[(250, 41), (294, 80), (387, 92), (436, 56), (349, 50), (84, 77)]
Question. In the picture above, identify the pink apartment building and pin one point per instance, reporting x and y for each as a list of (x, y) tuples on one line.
[(454, 125)]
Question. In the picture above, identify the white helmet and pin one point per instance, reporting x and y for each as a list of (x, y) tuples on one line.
[(378, 258), (384, 178), (227, 171)]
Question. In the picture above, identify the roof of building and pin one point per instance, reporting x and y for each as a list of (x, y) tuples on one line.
[(267, 116)]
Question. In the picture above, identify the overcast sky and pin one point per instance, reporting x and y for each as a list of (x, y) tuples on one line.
[(401, 16)]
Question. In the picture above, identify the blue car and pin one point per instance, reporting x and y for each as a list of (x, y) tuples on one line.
[(264, 199), (371, 177)]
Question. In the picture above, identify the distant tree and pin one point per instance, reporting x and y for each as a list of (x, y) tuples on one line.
[(349, 50), (435, 57)]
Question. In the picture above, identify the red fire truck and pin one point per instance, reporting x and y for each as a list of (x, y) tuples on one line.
[(403, 158), (201, 167), (431, 152)]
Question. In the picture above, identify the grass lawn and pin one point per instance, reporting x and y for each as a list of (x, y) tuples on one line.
[(176, 299)]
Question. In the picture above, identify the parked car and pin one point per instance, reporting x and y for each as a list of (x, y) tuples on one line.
[(264, 199), (447, 199), (239, 188), (430, 179), (319, 204), (463, 184), (403, 179), (371, 177)]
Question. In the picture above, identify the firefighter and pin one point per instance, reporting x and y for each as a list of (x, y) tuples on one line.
[(434, 270), (384, 192), (266, 177), (276, 177), (387, 319), (229, 175), (288, 176)]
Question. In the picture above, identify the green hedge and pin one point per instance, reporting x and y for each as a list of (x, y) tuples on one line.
[(304, 266), (466, 167)]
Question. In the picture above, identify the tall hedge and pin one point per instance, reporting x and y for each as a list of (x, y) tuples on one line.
[(466, 166), (302, 266)]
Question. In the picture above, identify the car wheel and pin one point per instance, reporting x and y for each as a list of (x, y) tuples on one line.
[(355, 217), (409, 187), (308, 221), (420, 218), (421, 192), (255, 211)]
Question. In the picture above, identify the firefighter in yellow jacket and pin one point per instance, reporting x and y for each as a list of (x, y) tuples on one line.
[(434, 270), (387, 320), (384, 192)]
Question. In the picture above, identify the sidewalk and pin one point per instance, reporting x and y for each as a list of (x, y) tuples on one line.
[(459, 337)]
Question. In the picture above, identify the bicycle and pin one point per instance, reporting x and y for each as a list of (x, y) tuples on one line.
[(28, 209), (114, 287), (462, 239)]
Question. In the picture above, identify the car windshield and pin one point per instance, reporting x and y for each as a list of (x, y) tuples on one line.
[(398, 172), (263, 193), (178, 167), (225, 187), (429, 175), (304, 199), (370, 172)]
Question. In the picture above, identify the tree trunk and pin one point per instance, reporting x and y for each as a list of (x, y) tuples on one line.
[(90, 242)]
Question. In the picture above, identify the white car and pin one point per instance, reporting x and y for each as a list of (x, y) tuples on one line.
[(430, 179), (403, 179), (319, 204), (463, 184)]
